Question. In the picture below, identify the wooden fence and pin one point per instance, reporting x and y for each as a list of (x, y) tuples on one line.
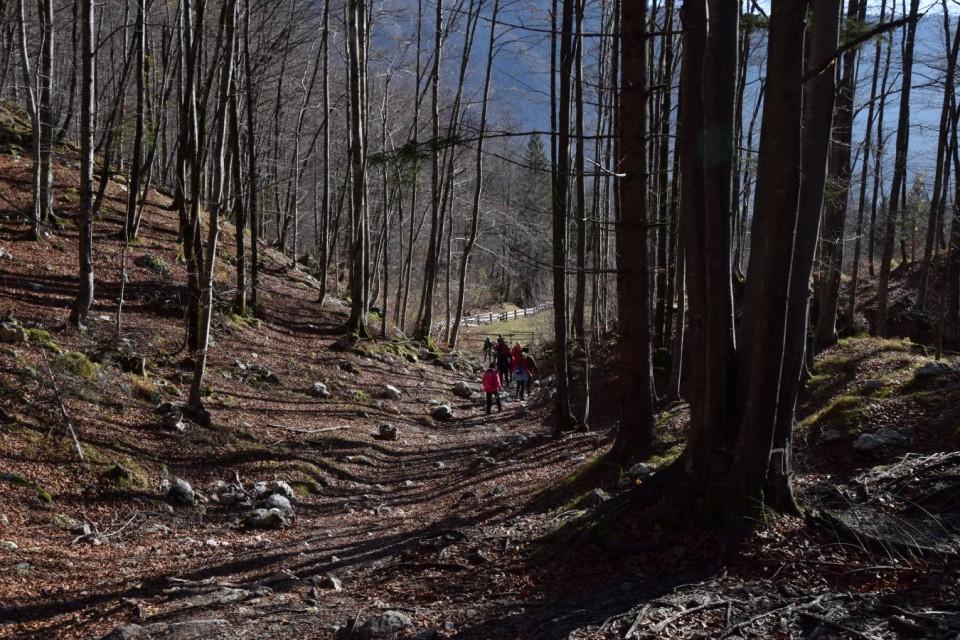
[(500, 316)]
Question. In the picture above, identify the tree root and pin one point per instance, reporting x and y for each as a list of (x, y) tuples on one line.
[(869, 541)]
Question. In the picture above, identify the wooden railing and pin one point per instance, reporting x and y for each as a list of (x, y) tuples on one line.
[(500, 316)]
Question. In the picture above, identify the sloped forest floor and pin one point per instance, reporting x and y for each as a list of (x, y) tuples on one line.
[(449, 525)]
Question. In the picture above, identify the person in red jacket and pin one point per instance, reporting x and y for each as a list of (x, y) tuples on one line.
[(492, 387)]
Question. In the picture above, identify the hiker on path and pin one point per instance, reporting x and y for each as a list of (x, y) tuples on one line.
[(487, 348), (492, 387), (531, 367), (521, 376), (503, 363), (514, 358)]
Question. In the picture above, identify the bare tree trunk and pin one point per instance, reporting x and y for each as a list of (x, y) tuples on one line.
[(478, 184), (938, 197), (356, 36), (565, 419), (636, 435), (835, 211), (861, 203), (899, 173), (580, 290), (81, 306), (34, 112), (217, 201), (818, 107)]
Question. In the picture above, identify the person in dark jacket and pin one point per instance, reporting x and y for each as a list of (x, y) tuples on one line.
[(530, 368)]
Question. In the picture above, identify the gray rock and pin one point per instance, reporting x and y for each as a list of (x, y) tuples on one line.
[(594, 498), (889, 435), (181, 492), (329, 581), (641, 470), (9, 545), (933, 369), (277, 501), (868, 442), (391, 392), (171, 415), (350, 367), (126, 632), (548, 382), (12, 333), (319, 390), (281, 488), (387, 624), (462, 390), (263, 373), (443, 412), (152, 263), (830, 435), (268, 519), (389, 432)]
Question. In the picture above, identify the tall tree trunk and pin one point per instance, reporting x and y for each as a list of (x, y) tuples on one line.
[(835, 213), (478, 184), (217, 201), (356, 36), (818, 107), (935, 218), (899, 174), (864, 169), (565, 419), (636, 434), (81, 306)]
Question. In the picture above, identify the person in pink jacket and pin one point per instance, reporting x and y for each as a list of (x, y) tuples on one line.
[(492, 386)]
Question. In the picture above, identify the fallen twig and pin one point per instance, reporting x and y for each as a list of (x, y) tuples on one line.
[(295, 430), (749, 621), (63, 409), (827, 622), (703, 607)]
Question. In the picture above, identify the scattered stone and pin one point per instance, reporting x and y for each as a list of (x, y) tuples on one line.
[(329, 581), (477, 556), (126, 632), (181, 492), (157, 528), (363, 414), (548, 382), (868, 442), (277, 501), (120, 475), (482, 462), (443, 412), (640, 470), (162, 506), (462, 390), (263, 374), (172, 414), (933, 369), (594, 499), (5, 255), (830, 435), (12, 333), (152, 263), (391, 392), (9, 545), (268, 519), (889, 435), (389, 432), (350, 367), (319, 390), (388, 624)]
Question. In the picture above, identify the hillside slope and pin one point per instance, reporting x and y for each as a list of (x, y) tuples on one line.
[(442, 526)]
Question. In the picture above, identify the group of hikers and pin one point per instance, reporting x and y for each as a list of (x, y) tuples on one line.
[(507, 366)]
